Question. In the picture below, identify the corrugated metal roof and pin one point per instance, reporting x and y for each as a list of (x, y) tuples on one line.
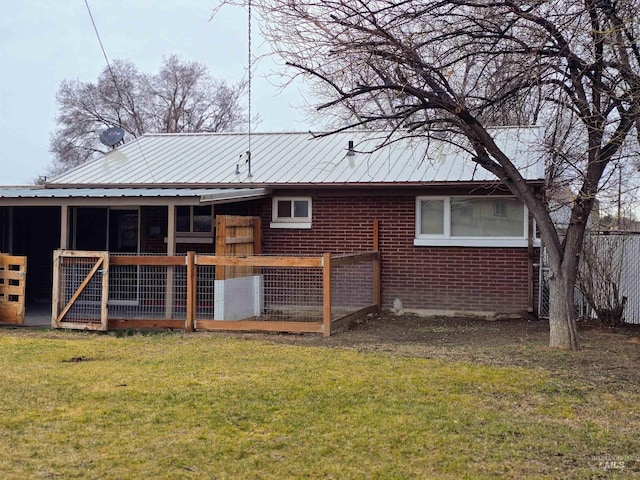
[(281, 159), (206, 194)]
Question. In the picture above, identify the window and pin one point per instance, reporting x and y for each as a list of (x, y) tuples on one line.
[(471, 221), (194, 219), (291, 212), (500, 208), (432, 217)]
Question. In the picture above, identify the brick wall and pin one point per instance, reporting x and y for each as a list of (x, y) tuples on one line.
[(434, 278)]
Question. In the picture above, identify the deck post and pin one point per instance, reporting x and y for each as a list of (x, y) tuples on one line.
[(191, 292), (326, 274)]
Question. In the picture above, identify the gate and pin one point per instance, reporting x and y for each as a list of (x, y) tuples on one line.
[(237, 236), (13, 278), (239, 290), (80, 290)]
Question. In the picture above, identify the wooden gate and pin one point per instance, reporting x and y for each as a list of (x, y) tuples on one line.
[(238, 290), (13, 278), (80, 290), (237, 236)]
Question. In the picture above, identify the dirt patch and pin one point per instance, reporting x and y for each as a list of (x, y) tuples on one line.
[(608, 357), (77, 359)]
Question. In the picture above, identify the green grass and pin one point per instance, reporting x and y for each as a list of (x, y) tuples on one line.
[(206, 406)]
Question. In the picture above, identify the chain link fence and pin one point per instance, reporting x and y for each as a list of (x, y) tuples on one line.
[(627, 245)]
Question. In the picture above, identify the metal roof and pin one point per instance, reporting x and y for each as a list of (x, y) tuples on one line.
[(287, 159), (205, 194)]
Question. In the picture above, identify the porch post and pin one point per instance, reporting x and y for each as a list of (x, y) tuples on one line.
[(171, 250), (64, 227), (171, 230)]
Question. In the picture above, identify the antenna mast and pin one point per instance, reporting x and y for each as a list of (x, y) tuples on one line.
[(249, 87)]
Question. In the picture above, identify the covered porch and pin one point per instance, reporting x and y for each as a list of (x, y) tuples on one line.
[(36, 221)]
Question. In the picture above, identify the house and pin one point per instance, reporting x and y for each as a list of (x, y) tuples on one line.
[(450, 236)]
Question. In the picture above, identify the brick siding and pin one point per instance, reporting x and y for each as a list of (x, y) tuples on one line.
[(424, 278)]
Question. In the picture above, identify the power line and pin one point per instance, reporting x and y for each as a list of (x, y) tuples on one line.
[(106, 59), (115, 83)]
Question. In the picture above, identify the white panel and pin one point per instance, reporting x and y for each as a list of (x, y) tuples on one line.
[(238, 298)]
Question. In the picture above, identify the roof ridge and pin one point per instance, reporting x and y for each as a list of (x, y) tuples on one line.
[(312, 132), (204, 134)]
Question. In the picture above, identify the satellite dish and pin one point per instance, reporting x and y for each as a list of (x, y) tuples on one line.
[(112, 136)]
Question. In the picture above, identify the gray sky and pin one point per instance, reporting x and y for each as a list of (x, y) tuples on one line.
[(43, 42)]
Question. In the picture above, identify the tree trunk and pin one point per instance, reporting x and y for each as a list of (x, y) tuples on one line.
[(562, 314)]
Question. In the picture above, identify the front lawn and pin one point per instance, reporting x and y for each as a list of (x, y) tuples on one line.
[(78, 405)]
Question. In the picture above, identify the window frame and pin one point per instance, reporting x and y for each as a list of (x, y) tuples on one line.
[(445, 239), (290, 222), (191, 233)]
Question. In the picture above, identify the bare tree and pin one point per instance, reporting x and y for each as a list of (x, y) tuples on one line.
[(181, 97), (419, 66)]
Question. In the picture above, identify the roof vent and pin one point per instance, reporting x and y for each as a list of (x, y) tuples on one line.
[(246, 157), (350, 151)]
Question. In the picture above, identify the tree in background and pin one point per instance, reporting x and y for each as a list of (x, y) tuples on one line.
[(420, 66), (620, 198), (181, 98)]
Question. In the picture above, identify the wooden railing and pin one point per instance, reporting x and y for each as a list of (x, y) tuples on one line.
[(336, 298), (13, 275)]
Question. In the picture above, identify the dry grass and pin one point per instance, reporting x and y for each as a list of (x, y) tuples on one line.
[(76, 405)]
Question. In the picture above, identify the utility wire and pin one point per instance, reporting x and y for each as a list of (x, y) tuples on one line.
[(115, 83), (106, 59)]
